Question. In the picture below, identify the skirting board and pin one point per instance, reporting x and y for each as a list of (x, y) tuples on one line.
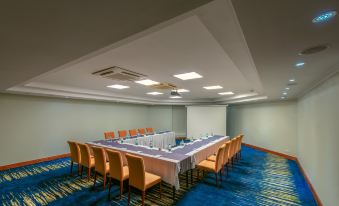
[(30, 162), (315, 195)]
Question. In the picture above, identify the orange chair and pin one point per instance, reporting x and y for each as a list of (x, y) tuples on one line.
[(101, 165), (141, 131), (109, 135), (132, 132), (75, 154), (138, 178), (149, 130), (213, 158), (87, 160), (117, 170), (241, 138), (232, 149), (211, 166), (122, 133)]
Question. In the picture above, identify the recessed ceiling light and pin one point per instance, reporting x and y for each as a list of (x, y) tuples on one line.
[(182, 90), (323, 17), (291, 80), (226, 93), (147, 82), (244, 95), (282, 97), (118, 86), (155, 93), (187, 76), (213, 87), (287, 88), (249, 99), (175, 97), (284, 93), (300, 64)]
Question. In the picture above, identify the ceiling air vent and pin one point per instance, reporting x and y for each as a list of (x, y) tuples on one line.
[(118, 73)]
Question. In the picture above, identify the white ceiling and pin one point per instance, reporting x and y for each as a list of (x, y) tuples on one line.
[(240, 45)]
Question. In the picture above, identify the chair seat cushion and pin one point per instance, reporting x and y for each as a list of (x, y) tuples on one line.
[(207, 165), (212, 158), (151, 179)]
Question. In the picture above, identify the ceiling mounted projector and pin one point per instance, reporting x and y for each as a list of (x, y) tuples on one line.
[(175, 94)]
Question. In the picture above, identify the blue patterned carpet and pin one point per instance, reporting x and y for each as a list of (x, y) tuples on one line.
[(257, 179)]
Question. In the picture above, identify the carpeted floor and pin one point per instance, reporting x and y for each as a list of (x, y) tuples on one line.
[(258, 178)]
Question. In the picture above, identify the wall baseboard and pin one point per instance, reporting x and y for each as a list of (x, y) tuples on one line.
[(30, 162), (272, 152), (315, 195)]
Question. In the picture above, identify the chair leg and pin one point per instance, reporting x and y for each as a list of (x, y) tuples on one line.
[(160, 190), (95, 179), (71, 167), (173, 188), (186, 178), (104, 185), (121, 187), (109, 188), (216, 178), (191, 177), (88, 173), (143, 198), (82, 168), (220, 175), (129, 194), (79, 169)]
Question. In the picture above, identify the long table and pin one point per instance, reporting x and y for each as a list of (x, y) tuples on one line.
[(159, 140), (168, 164)]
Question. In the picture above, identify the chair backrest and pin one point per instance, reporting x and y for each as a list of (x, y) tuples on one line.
[(220, 159), (115, 164), (136, 171), (75, 151), (149, 130), (141, 131), (109, 135), (85, 154), (99, 159), (233, 145), (122, 133), (227, 151), (132, 132)]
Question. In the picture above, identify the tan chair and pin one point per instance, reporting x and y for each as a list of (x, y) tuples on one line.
[(138, 178), (132, 132), (141, 131), (117, 170), (87, 160), (101, 165), (210, 166), (213, 158), (75, 154), (122, 133), (149, 130), (232, 149), (241, 138), (109, 135)]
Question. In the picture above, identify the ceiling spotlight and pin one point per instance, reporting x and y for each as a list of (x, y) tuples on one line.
[(282, 97), (284, 93), (147, 82), (187, 76), (287, 88), (323, 17), (154, 93), (300, 64), (118, 86), (291, 80), (213, 87), (226, 93), (183, 90)]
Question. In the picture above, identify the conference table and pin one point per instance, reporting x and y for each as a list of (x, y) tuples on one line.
[(168, 163), (159, 140)]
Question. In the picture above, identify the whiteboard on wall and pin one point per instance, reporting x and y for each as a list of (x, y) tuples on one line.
[(206, 119)]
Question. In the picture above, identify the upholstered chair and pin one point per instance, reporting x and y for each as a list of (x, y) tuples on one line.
[(117, 170), (87, 160), (138, 178), (215, 167), (75, 154), (213, 158), (141, 131), (109, 135), (101, 165), (149, 130), (122, 133), (132, 132)]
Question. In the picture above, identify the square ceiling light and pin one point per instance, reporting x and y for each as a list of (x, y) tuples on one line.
[(147, 82), (213, 87), (188, 76), (118, 86)]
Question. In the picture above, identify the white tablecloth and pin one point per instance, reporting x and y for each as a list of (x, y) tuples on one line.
[(159, 140)]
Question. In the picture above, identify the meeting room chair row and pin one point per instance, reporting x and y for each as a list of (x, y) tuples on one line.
[(132, 132), (226, 155), (109, 163)]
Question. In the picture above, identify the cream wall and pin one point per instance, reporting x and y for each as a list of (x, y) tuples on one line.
[(268, 125), (36, 127), (318, 139)]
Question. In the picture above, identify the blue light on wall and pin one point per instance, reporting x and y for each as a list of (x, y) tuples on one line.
[(323, 17)]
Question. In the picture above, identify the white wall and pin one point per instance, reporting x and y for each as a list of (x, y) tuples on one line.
[(268, 125), (202, 120), (37, 127), (318, 139)]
